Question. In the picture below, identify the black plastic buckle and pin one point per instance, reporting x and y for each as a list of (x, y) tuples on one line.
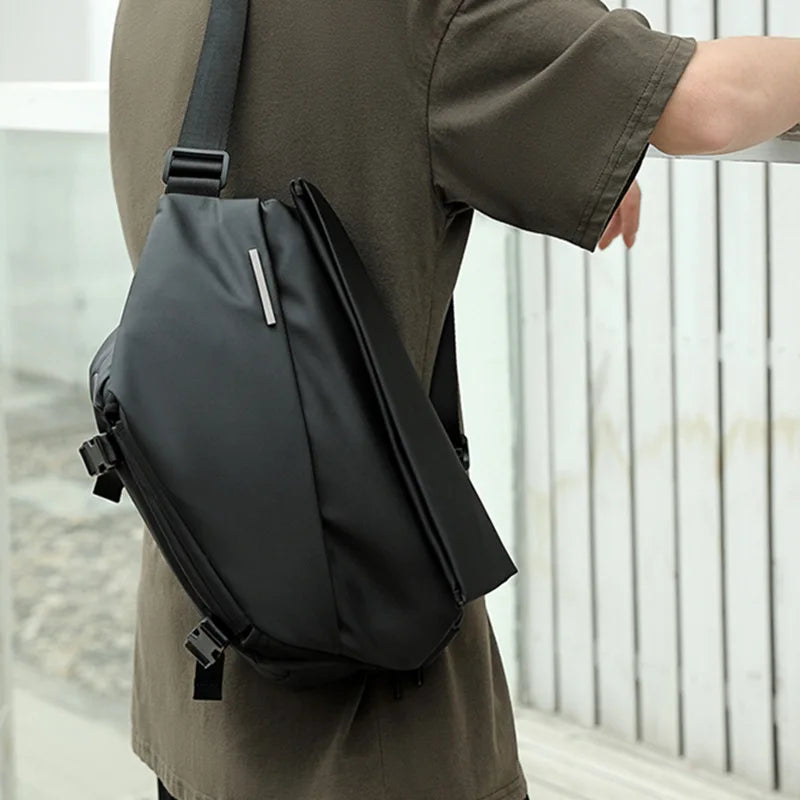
[(206, 643), (98, 455), (463, 452), (188, 162)]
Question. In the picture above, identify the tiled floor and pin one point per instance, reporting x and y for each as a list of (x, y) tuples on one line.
[(74, 567), (67, 754), (75, 557), (565, 762)]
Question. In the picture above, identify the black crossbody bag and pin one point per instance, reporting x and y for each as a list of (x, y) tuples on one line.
[(259, 408)]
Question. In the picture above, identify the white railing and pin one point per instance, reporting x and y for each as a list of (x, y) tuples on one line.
[(661, 465)]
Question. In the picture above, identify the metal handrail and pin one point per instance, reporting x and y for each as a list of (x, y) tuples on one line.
[(785, 149)]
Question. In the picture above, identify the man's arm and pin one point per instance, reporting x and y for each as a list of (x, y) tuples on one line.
[(734, 93)]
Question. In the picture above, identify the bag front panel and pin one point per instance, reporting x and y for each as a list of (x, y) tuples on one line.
[(210, 395)]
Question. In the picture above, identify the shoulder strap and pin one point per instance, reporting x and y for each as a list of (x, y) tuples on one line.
[(199, 165), (210, 109)]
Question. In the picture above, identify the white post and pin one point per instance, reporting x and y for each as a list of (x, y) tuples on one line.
[(102, 14), (45, 40), (6, 737)]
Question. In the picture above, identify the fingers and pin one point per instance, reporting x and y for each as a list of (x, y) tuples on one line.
[(631, 213), (625, 220), (612, 230)]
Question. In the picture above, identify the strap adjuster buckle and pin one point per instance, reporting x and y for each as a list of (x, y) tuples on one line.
[(206, 643), (189, 162), (98, 455)]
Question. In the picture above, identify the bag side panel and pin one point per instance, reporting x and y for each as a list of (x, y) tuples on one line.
[(458, 517), (394, 603)]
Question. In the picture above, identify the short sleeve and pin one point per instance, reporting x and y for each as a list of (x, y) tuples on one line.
[(540, 111)]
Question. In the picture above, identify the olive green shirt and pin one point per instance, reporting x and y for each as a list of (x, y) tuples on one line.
[(408, 114)]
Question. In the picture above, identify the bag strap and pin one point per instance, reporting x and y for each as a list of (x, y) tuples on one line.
[(199, 165), (210, 109)]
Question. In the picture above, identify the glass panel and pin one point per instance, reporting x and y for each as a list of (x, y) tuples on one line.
[(64, 273)]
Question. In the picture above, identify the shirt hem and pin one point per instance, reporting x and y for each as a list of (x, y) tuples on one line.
[(174, 784), (181, 789), (516, 790)]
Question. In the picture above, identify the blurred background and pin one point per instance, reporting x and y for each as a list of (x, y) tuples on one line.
[(67, 613), (635, 428)]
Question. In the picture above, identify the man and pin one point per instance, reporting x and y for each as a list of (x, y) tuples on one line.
[(408, 114)]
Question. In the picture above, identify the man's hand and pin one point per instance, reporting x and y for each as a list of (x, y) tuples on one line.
[(625, 220)]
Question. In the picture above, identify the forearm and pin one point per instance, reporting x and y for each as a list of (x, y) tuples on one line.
[(734, 93)]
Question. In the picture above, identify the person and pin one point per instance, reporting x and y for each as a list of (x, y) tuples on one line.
[(409, 115)]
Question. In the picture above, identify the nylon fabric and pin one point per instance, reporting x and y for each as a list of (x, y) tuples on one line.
[(205, 413), (292, 470), (210, 106)]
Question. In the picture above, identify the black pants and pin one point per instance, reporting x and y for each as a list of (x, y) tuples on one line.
[(163, 794)]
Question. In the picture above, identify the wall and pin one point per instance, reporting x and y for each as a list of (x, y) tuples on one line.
[(66, 264), (53, 40)]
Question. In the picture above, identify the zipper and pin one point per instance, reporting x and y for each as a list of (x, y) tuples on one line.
[(448, 569), (207, 591), (100, 372), (438, 544)]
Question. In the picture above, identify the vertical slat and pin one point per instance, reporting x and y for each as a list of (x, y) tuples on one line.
[(784, 237), (6, 731), (482, 334), (697, 400), (785, 291), (744, 415), (611, 484), (6, 737), (574, 635), (651, 359), (614, 574), (694, 214), (536, 585), (745, 469), (654, 465), (5, 278)]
